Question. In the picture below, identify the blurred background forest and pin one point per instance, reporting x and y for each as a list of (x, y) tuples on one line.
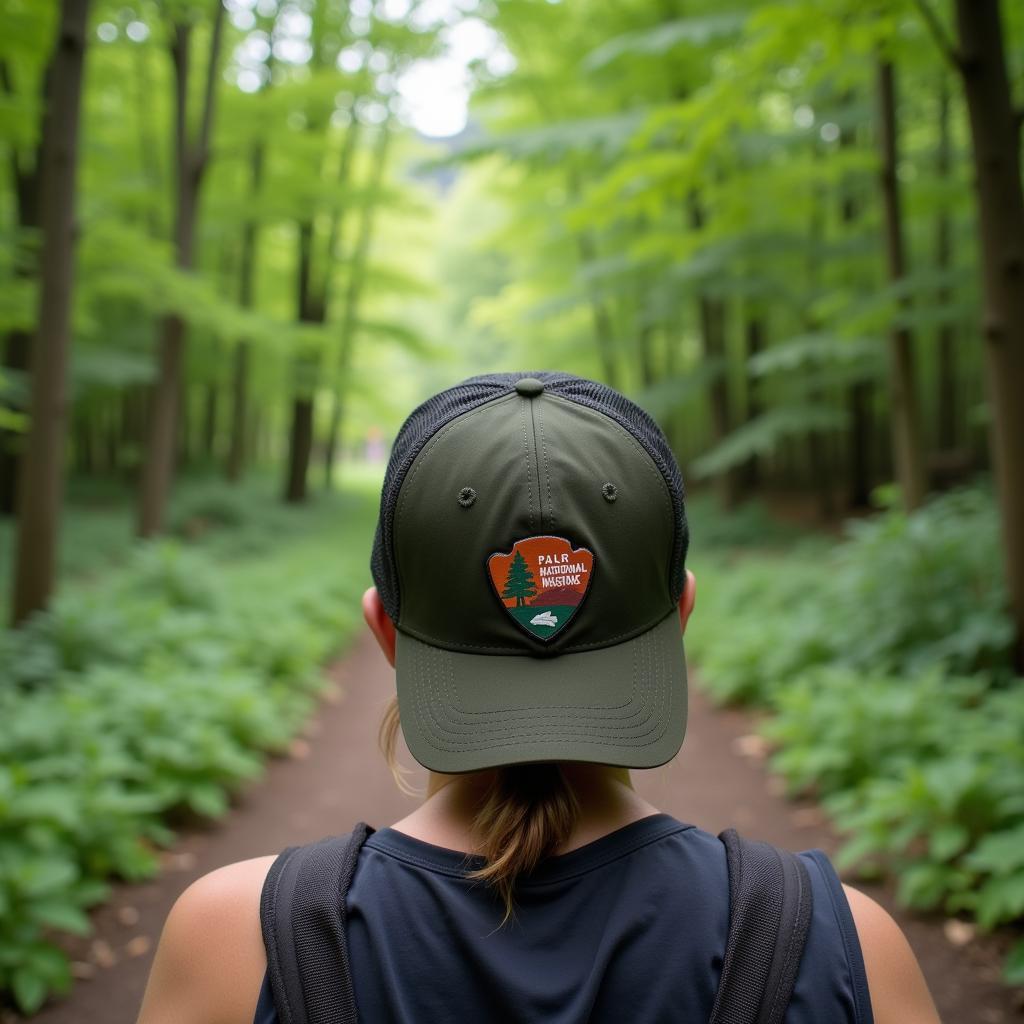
[(243, 238)]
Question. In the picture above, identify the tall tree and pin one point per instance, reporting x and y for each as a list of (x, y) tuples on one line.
[(192, 153), (908, 455), (39, 492), (995, 131), (26, 173), (358, 262), (859, 394), (946, 406), (240, 362), (711, 318), (311, 305)]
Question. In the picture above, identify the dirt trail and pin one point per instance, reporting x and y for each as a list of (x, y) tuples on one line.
[(338, 777)]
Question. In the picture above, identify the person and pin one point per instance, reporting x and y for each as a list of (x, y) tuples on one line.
[(531, 592)]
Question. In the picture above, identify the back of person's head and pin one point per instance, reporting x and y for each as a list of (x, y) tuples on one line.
[(530, 555)]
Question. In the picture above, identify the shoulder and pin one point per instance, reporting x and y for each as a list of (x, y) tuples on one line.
[(899, 993), (210, 960)]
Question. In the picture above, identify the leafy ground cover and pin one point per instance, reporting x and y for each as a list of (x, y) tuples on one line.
[(884, 664), (157, 688)]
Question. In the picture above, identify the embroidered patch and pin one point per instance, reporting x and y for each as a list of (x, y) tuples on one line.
[(541, 582)]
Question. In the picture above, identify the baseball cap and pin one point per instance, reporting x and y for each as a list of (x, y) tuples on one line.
[(530, 551)]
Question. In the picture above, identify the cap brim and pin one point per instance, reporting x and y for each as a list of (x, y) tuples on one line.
[(622, 705)]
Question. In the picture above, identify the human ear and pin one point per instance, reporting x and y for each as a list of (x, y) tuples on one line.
[(380, 624), (687, 598)]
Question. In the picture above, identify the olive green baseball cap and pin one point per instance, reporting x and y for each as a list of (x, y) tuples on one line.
[(530, 551)]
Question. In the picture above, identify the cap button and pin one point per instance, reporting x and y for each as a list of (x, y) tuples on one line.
[(529, 387)]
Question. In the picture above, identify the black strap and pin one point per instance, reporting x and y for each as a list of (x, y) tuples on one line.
[(769, 916), (303, 917)]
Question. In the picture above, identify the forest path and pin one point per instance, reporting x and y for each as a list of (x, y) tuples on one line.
[(337, 776)]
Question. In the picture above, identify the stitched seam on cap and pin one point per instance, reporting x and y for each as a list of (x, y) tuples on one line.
[(545, 707), (536, 406), (536, 459), (562, 734), (439, 731), (436, 727), (526, 464), (417, 465), (509, 715), (649, 462)]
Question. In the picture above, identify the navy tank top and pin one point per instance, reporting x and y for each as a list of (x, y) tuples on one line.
[(629, 927)]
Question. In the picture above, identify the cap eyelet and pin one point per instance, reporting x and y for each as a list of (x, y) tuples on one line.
[(466, 497), (610, 492)]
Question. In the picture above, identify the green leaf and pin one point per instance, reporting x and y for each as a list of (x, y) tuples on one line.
[(947, 841), (1000, 900), (1013, 968), (762, 435), (14, 421), (817, 349), (655, 41), (208, 799), (64, 916), (39, 876), (999, 852), (29, 989)]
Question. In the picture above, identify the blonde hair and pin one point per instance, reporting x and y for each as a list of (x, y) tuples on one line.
[(527, 811)]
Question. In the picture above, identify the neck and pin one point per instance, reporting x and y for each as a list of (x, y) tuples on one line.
[(605, 793), (586, 780)]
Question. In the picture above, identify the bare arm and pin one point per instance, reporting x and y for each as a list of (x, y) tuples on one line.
[(210, 961), (899, 993)]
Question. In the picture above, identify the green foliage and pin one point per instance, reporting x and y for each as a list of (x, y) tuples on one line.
[(886, 668), (152, 695), (748, 526), (902, 594), (951, 820), (761, 436)]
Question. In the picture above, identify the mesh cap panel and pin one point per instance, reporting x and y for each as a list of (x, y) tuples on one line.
[(433, 414)]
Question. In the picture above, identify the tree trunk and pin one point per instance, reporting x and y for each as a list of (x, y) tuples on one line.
[(16, 358), (995, 131), (27, 183), (210, 421), (239, 412), (858, 399), (604, 331), (192, 160), (40, 488), (353, 294), (712, 323), (860, 394), (711, 313), (946, 407), (754, 331), (908, 455), (299, 449), (240, 366), (184, 424), (333, 439), (310, 310)]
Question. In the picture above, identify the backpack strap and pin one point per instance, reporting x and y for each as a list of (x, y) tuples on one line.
[(303, 917), (770, 906)]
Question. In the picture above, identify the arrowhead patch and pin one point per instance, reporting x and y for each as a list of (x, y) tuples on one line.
[(541, 582)]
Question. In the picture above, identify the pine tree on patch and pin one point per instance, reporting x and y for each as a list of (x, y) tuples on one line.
[(520, 582)]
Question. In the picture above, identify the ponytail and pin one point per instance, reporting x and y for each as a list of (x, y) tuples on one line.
[(527, 812)]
